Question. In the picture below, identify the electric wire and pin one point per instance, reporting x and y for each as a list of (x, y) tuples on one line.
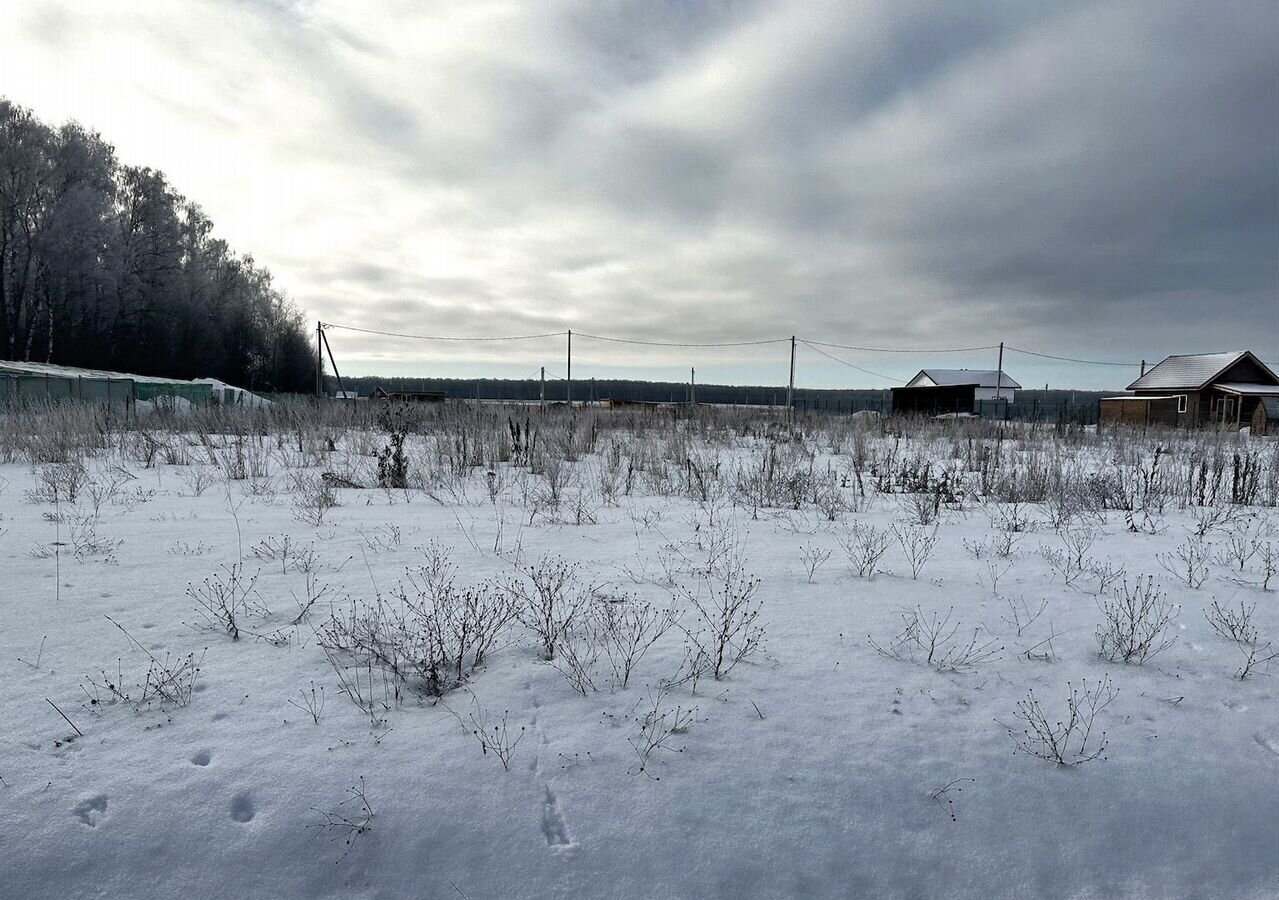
[(812, 344), (665, 343), (1071, 359), (437, 337), (847, 363), (897, 349)]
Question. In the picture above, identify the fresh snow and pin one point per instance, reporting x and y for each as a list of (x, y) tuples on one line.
[(809, 771)]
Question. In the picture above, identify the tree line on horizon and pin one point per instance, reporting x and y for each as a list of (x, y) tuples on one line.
[(106, 265), (1030, 402)]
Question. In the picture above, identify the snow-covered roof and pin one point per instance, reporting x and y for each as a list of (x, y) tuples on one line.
[(986, 378), (1268, 390), (17, 367), (1193, 371)]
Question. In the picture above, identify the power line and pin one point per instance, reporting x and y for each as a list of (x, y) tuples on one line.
[(813, 345), (436, 337), (600, 337), (1087, 362), (898, 349), (847, 363)]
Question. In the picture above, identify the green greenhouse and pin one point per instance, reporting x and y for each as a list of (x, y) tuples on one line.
[(45, 382)]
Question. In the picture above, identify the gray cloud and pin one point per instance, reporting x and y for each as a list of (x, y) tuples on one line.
[(1086, 178)]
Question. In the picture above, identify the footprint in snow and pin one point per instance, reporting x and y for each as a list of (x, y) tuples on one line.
[(242, 809), (554, 828), (91, 810), (202, 758), (1267, 743)]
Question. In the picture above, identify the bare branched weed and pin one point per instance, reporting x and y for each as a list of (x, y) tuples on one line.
[(917, 543), (813, 558), (313, 500), (167, 683), (1188, 563), (1067, 742), (865, 546), (936, 641), (550, 599), (227, 598), (352, 819), (1071, 561), (659, 726), (1233, 625), (1135, 622), (496, 735), (723, 625)]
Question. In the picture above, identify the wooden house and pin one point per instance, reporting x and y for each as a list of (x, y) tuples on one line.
[(1219, 390)]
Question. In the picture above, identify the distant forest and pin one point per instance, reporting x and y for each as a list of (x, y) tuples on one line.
[(1030, 404), (105, 265)]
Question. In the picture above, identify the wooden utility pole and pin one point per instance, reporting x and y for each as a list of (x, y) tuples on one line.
[(568, 385), (999, 378), (790, 390), (334, 363), (319, 359), (541, 392), (692, 386)]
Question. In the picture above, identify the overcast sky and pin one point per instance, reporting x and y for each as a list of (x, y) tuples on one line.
[(1086, 179)]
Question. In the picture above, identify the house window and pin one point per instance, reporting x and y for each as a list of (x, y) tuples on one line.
[(1181, 403)]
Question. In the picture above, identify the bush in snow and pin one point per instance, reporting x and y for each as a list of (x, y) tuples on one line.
[(917, 542), (936, 641), (725, 626), (865, 546), (1232, 625), (1068, 742), (1135, 622), (549, 600), (1188, 563), (226, 598), (658, 726)]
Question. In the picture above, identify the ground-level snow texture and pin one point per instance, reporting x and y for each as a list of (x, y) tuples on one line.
[(808, 772)]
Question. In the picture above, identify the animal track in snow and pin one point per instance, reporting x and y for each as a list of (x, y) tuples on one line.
[(91, 810), (202, 758), (553, 825), (242, 809)]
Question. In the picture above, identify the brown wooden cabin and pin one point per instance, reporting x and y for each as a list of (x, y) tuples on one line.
[(1206, 390)]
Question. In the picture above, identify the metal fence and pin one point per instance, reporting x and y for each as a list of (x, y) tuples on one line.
[(15, 389)]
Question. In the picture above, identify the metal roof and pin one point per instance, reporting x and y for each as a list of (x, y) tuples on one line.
[(1266, 390), (51, 370), (986, 378), (1144, 397), (1192, 371)]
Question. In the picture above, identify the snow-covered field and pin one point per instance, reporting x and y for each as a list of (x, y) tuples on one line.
[(862, 739)]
